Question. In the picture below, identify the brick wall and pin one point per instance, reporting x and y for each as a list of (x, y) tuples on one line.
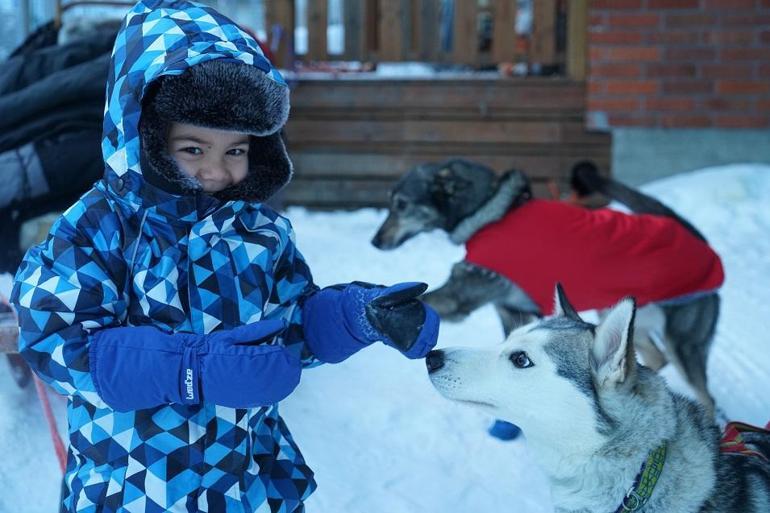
[(679, 63)]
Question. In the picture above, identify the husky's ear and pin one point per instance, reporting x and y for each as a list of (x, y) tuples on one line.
[(562, 306), (613, 351)]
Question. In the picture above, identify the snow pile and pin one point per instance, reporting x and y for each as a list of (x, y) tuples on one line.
[(380, 438)]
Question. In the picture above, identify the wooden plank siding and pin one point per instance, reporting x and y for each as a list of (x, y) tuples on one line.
[(577, 39), (280, 18), (426, 29), (465, 45), (317, 22), (391, 30), (543, 47), (351, 139), (504, 30)]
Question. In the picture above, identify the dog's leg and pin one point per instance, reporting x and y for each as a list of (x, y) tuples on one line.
[(469, 287), (689, 331), (649, 326), (652, 357)]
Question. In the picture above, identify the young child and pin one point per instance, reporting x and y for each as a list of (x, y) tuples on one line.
[(171, 305)]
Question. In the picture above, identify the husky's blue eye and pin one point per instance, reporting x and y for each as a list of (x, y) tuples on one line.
[(520, 360)]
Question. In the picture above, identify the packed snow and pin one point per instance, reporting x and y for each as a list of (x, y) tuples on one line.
[(380, 438)]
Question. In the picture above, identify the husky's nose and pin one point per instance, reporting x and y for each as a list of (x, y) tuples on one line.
[(434, 361)]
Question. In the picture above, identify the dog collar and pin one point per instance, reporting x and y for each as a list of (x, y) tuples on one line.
[(645, 481)]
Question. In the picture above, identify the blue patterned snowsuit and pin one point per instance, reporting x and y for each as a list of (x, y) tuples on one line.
[(130, 254)]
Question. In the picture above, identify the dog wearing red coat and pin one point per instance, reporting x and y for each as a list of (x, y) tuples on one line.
[(518, 248)]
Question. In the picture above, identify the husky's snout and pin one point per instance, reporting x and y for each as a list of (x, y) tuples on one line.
[(434, 361), (387, 237)]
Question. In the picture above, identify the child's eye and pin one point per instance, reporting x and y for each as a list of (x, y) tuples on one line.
[(192, 150), (237, 152)]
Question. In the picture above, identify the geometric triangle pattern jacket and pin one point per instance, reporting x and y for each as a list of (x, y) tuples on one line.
[(130, 254)]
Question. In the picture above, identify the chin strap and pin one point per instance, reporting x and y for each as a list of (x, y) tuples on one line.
[(641, 491)]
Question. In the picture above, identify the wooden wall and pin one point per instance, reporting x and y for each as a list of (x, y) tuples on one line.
[(351, 139)]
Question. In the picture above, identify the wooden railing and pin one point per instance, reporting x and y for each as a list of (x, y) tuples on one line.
[(478, 33)]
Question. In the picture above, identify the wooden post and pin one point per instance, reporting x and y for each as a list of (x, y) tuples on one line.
[(465, 41), (353, 20), (280, 19), (504, 32), (426, 26), (317, 24), (577, 39), (543, 48), (390, 21)]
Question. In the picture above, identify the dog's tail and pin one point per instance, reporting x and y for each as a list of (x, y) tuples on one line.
[(585, 179)]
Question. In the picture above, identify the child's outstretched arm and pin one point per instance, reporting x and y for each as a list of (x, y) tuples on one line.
[(329, 325)]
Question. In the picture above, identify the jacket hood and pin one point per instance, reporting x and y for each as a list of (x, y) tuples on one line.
[(199, 67)]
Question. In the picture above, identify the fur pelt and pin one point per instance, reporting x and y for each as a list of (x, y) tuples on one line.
[(226, 96)]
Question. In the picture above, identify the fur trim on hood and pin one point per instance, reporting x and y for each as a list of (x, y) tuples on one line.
[(224, 95)]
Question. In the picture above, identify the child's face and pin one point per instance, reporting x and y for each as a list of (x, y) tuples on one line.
[(216, 158)]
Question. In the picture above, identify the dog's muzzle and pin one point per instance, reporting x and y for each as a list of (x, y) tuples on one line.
[(434, 360)]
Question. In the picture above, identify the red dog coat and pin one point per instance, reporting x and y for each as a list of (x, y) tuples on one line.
[(599, 256)]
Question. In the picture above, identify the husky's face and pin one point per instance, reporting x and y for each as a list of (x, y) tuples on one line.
[(412, 209), (547, 377)]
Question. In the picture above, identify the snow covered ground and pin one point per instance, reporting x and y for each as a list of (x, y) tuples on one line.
[(380, 438)]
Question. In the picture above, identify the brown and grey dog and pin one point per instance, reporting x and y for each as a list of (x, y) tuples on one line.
[(606, 431), (462, 198)]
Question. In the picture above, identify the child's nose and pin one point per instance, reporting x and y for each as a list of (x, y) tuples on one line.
[(213, 169)]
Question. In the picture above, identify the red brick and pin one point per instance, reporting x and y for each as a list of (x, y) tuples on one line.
[(742, 121), (674, 103), (629, 20), (764, 71), (687, 86), (728, 4), (632, 86), (616, 4), (595, 87), (745, 54), (685, 120), (753, 19), (613, 104), (763, 106), (764, 37), (726, 103), (727, 71), (616, 70), (598, 54), (742, 87), (675, 70), (617, 120), (634, 53), (615, 37), (673, 4), (698, 20), (675, 37), (597, 19), (731, 37), (690, 54)]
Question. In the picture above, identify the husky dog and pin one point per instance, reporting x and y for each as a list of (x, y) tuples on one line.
[(463, 198), (607, 432)]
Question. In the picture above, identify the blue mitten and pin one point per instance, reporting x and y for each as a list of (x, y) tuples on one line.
[(142, 367), (340, 320)]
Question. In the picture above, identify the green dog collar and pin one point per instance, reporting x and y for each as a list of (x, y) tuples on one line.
[(644, 484)]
